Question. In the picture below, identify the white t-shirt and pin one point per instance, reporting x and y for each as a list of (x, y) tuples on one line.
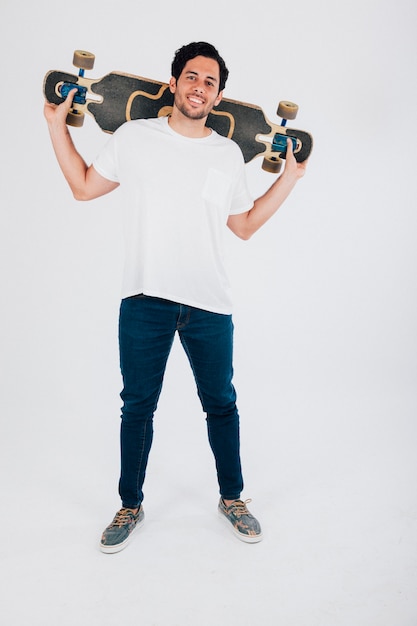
[(178, 194)]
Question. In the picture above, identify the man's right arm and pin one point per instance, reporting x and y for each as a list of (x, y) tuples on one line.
[(85, 182)]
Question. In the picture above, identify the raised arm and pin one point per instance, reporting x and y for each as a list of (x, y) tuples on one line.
[(246, 224), (84, 181)]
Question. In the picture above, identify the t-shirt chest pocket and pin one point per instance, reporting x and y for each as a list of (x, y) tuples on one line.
[(217, 189)]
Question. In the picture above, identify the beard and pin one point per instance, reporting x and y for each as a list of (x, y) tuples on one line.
[(192, 114)]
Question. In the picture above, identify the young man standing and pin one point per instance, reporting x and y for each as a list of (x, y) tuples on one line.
[(182, 183)]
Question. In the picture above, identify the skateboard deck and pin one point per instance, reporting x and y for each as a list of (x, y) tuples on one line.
[(117, 97)]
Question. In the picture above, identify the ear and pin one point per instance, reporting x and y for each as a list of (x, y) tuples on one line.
[(172, 84), (218, 99)]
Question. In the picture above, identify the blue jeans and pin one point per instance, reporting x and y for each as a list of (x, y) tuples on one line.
[(147, 328)]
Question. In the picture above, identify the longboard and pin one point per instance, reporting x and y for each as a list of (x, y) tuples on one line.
[(117, 98)]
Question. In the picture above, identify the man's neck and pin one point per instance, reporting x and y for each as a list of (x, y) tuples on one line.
[(195, 129)]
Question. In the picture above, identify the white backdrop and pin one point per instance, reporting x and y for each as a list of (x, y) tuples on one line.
[(325, 316)]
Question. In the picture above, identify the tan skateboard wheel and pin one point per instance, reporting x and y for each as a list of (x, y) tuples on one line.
[(75, 118), (272, 164), (287, 110), (83, 59)]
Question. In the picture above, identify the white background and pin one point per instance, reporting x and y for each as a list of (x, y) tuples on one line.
[(325, 315)]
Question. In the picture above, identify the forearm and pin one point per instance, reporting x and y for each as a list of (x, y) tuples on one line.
[(84, 181), (246, 224), (267, 205), (70, 161)]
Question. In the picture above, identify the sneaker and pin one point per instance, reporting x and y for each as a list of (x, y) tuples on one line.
[(243, 524), (117, 534)]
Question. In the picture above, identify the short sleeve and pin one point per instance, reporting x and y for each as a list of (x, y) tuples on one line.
[(242, 199), (106, 162)]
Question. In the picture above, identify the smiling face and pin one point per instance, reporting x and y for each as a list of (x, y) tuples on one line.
[(196, 91)]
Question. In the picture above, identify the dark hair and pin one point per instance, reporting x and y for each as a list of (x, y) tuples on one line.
[(196, 49)]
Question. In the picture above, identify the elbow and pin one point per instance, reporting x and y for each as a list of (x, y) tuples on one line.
[(244, 235), (242, 226), (80, 195), (244, 232)]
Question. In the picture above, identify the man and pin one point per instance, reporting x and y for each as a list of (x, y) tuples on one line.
[(182, 184)]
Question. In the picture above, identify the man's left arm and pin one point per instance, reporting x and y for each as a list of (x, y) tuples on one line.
[(244, 225)]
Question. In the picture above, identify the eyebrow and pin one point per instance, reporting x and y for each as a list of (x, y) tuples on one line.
[(213, 78)]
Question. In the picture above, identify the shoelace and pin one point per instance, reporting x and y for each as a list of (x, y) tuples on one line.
[(122, 517), (239, 507)]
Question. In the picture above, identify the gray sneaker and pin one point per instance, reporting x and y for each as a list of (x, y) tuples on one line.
[(243, 524), (117, 534)]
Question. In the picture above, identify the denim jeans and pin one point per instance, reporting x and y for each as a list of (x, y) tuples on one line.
[(147, 328)]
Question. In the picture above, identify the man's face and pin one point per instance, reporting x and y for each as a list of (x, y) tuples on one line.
[(196, 91)]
